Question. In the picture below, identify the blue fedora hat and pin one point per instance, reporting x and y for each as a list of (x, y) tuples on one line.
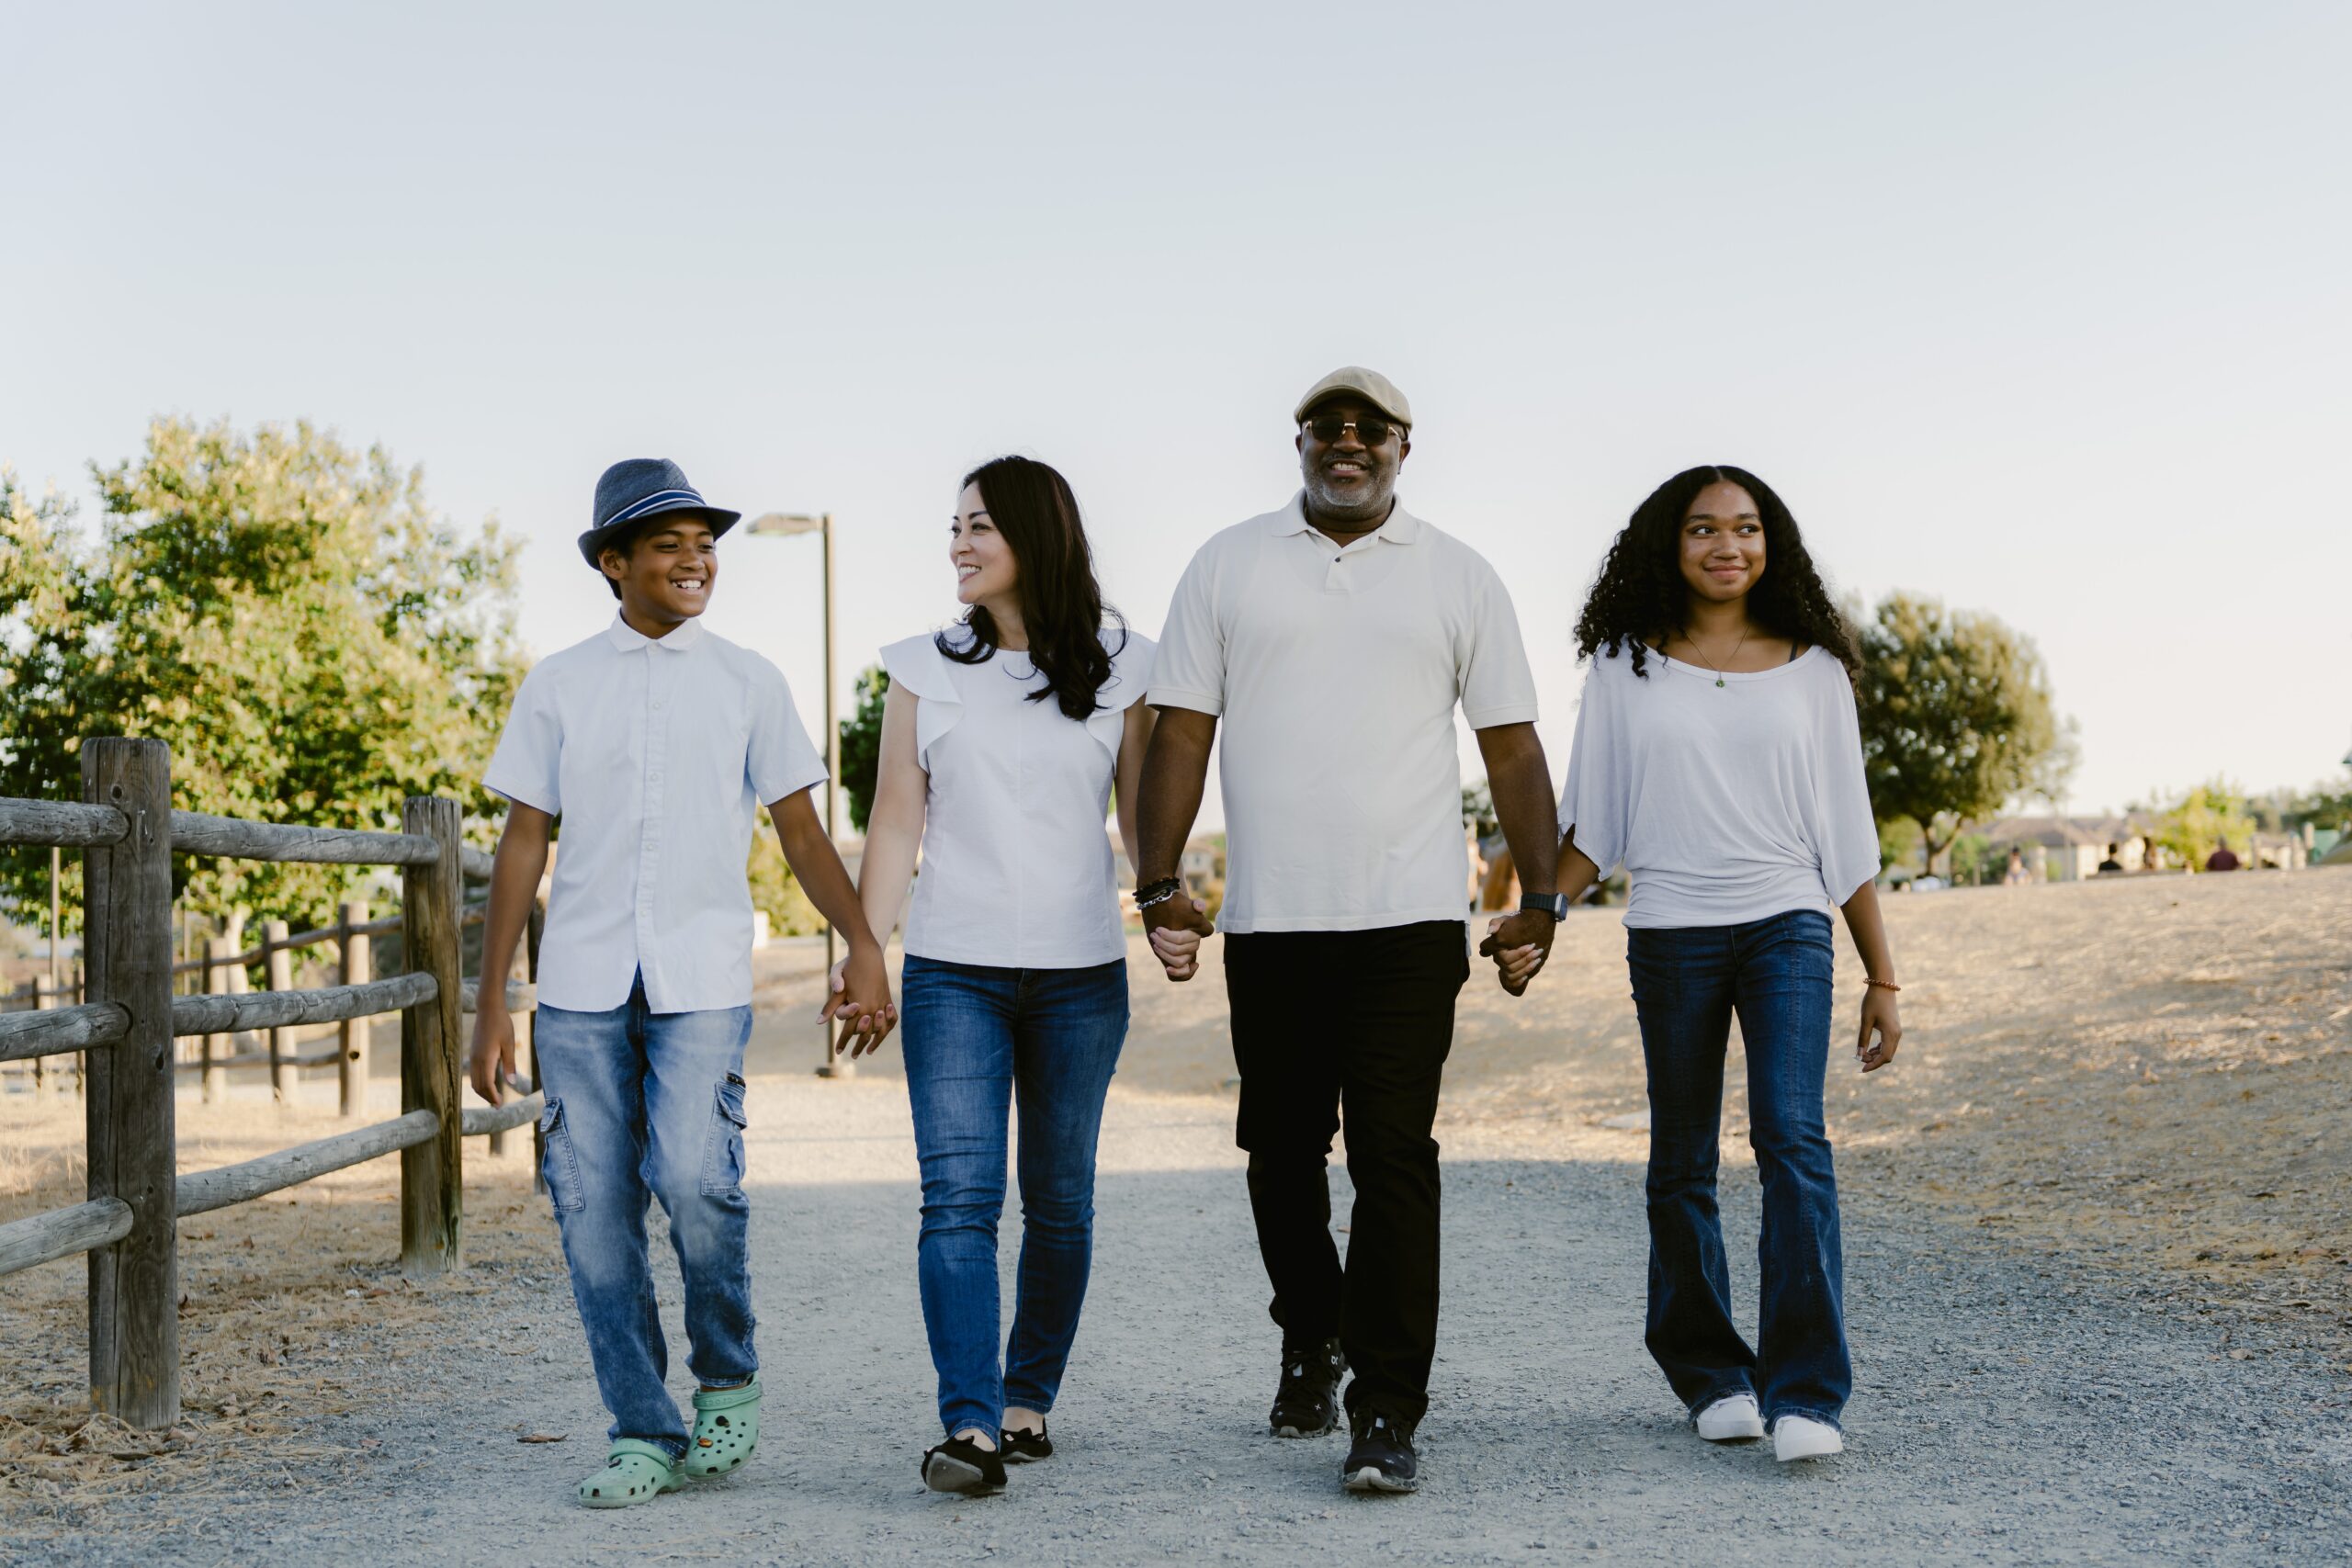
[(638, 488)]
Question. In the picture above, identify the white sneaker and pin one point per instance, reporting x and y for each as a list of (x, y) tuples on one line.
[(1800, 1437), (1733, 1418)]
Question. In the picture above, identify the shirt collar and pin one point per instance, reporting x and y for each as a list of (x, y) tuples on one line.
[(1402, 528), (629, 639)]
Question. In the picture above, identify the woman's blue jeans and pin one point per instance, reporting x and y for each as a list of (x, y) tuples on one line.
[(643, 1105), (1775, 974), (980, 1040)]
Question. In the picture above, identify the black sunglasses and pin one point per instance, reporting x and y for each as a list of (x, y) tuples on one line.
[(1371, 430)]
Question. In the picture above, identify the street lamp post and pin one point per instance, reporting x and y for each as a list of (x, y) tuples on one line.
[(784, 525)]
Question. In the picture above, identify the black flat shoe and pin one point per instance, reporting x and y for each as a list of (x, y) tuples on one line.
[(1026, 1448), (963, 1467)]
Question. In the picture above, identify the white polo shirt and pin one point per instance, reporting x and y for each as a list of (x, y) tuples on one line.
[(1336, 672), (657, 755)]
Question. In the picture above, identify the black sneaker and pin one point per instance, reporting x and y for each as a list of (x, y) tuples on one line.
[(1307, 1404), (1382, 1457), (1023, 1448), (962, 1466)]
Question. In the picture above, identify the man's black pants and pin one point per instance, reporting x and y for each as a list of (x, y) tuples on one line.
[(1360, 1022)]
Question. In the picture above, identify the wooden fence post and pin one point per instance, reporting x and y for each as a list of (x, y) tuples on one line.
[(216, 1047), (44, 1000), (127, 942), (277, 969), (432, 1174), (351, 1064)]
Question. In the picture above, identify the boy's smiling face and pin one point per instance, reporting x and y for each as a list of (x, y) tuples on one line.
[(666, 575)]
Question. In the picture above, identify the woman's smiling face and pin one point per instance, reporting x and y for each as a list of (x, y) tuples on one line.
[(985, 569), (1722, 544)]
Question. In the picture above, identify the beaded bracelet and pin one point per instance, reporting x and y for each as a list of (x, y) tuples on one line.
[(1883, 985)]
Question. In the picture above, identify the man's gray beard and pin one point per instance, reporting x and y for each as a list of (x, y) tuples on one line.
[(1373, 510)]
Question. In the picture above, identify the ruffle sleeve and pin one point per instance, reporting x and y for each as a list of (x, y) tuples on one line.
[(1130, 677), (1595, 802), (918, 665)]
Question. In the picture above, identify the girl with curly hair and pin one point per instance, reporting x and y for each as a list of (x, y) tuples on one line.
[(1718, 759)]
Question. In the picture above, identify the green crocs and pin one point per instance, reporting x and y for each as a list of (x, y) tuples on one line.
[(637, 1471), (727, 1429)]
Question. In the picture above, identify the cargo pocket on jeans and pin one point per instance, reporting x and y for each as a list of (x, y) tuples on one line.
[(561, 1166), (722, 1154)]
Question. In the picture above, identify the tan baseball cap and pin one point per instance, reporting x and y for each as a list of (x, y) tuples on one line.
[(1370, 385)]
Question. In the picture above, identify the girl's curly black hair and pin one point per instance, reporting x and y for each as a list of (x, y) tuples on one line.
[(1639, 597), (1062, 605)]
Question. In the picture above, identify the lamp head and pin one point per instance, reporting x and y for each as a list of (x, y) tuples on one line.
[(784, 524)]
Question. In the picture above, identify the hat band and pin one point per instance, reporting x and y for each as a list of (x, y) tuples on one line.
[(660, 500)]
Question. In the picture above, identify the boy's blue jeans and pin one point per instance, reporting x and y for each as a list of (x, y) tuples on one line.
[(644, 1105), (1775, 973), (977, 1039)]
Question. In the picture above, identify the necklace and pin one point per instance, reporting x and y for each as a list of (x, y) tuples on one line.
[(1711, 663)]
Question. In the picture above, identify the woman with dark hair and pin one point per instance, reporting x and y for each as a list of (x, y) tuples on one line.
[(1003, 737), (1718, 759)]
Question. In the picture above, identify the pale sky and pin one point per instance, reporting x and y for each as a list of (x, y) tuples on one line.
[(2040, 308)]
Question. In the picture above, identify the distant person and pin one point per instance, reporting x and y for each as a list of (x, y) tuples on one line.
[(656, 742), (1719, 759), (1335, 638), (2222, 859), (2018, 873), (2114, 860), (1004, 737)]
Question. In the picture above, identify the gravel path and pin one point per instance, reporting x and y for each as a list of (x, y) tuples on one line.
[(2012, 1407)]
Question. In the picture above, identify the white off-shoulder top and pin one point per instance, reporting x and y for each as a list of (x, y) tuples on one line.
[(1724, 802), (1017, 866)]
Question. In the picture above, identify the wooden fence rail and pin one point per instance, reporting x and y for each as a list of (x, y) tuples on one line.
[(127, 1018)]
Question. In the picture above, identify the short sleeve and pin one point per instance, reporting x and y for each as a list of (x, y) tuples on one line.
[(780, 759), (1131, 667), (528, 767), (1846, 829), (1595, 803), (916, 666), (1188, 671), (1497, 686)]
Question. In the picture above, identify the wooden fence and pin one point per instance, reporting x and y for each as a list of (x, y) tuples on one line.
[(126, 1024)]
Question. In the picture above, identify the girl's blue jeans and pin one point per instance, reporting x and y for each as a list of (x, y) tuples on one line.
[(1775, 974), (981, 1041), (642, 1106)]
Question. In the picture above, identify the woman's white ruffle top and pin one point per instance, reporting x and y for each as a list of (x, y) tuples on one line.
[(1017, 865)]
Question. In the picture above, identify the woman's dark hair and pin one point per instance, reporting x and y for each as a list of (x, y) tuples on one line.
[(1062, 605), (1639, 595)]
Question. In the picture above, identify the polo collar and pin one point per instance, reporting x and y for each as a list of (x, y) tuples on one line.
[(629, 639), (1402, 528)]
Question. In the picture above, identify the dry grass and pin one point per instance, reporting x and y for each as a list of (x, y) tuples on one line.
[(293, 1309)]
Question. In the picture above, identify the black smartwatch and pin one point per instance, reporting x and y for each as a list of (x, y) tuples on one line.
[(1552, 904)]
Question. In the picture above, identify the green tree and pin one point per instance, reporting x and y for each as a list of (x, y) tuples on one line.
[(862, 743), (288, 614), (1957, 718), (774, 888), (2203, 819)]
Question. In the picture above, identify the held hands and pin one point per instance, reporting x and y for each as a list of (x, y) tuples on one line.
[(858, 993), (1518, 944), (1879, 1016), (1176, 926), (490, 1061)]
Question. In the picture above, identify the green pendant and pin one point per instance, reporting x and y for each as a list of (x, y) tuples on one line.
[(1719, 680)]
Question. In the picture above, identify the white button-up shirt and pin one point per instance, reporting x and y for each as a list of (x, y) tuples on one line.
[(1336, 670), (656, 755)]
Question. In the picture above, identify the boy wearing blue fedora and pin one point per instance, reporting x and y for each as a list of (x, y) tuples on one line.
[(656, 741)]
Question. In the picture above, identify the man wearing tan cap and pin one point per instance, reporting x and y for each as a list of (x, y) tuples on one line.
[(1334, 638)]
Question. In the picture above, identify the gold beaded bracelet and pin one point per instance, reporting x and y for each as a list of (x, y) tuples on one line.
[(1883, 985)]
